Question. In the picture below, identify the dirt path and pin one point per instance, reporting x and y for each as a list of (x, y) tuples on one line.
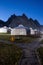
[(29, 56)]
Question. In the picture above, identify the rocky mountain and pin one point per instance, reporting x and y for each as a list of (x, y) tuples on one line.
[(14, 21), (2, 23)]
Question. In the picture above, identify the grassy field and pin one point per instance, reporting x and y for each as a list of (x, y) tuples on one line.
[(5, 37), (9, 54), (40, 50), (24, 39), (17, 39)]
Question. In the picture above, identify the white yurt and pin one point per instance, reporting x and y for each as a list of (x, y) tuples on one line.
[(32, 32), (9, 28), (36, 31), (41, 32), (3, 29), (20, 30)]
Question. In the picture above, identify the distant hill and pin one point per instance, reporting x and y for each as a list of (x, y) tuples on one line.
[(14, 21)]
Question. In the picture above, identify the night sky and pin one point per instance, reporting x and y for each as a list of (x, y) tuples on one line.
[(32, 8)]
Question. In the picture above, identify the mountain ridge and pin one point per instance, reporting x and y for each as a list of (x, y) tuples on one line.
[(14, 21)]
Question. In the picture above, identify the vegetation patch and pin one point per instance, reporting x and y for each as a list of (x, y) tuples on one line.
[(22, 39), (9, 54), (41, 42), (40, 50)]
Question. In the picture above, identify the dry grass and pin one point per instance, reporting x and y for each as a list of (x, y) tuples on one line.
[(9, 54)]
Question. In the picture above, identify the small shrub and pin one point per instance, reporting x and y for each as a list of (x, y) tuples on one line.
[(41, 42), (40, 50), (12, 38)]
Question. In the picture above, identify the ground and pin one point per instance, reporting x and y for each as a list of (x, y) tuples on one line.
[(29, 56)]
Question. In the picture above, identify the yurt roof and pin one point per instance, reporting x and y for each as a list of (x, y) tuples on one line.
[(3, 27), (21, 26)]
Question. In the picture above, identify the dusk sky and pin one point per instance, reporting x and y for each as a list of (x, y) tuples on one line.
[(32, 8)]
